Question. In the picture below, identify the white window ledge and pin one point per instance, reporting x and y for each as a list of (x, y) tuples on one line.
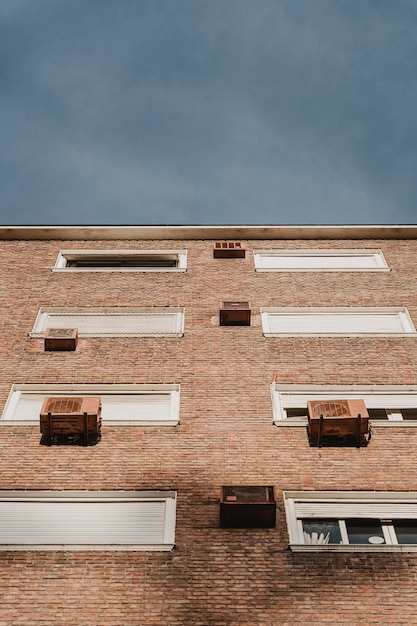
[(299, 547)]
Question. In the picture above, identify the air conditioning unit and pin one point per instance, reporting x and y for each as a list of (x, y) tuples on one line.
[(247, 507), (337, 418), (228, 250), (235, 314), (61, 339), (68, 416)]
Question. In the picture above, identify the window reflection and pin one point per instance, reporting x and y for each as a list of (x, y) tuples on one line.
[(321, 532), (406, 530), (365, 531)]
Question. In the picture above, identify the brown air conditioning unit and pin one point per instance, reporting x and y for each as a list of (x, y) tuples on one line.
[(68, 416), (235, 313), (247, 507), (337, 418), (61, 339), (228, 250)]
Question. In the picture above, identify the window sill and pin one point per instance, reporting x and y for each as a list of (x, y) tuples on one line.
[(312, 269), (295, 547), (319, 335), (76, 270), (373, 423), (112, 423), (160, 547)]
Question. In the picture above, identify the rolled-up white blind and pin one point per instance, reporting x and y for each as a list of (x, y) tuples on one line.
[(345, 510), (113, 321), (342, 321), (38, 522)]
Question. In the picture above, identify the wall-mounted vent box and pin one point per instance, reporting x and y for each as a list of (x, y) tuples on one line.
[(337, 418), (247, 507), (234, 313), (61, 339), (70, 416), (228, 250)]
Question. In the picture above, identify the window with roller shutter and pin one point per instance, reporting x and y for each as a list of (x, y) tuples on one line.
[(320, 260), (351, 521), (387, 405), (87, 520), (112, 321), (123, 405), (336, 321)]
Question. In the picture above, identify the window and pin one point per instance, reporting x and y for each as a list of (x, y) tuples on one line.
[(122, 405), (320, 260), (388, 406), (336, 321), (351, 521), (121, 261), (87, 520), (112, 321)]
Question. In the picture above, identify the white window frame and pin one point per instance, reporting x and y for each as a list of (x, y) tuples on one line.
[(43, 322), (392, 398), (61, 264), (384, 507), (173, 391), (117, 497), (307, 260), (408, 328)]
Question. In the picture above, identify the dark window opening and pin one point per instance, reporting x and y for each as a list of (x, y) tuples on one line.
[(169, 260)]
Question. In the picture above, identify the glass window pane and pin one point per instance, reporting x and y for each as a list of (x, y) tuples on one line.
[(365, 531), (406, 530), (321, 532), (296, 413), (409, 414), (377, 414)]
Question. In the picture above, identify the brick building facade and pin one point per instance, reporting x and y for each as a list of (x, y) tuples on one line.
[(240, 422)]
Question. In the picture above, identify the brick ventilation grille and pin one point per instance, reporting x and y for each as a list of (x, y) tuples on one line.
[(236, 305), (247, 494), (64, 405), (227, 245), (331, 409)]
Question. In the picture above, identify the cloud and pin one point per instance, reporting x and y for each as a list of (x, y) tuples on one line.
[(186, 112)]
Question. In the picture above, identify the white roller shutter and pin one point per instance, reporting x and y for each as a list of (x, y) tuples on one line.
[(46, 522), (113, 322), (320, 260), (345, 510), (372, 400), (342, 321)]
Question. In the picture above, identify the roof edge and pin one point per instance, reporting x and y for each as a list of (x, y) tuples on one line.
[(393, 231)]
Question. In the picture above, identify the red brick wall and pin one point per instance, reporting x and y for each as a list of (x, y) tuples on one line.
[(226, 436)]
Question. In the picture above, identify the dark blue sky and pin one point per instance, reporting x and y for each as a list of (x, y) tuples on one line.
[(208, 111)]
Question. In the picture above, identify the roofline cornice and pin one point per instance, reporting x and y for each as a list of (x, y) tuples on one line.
[(183, 232)]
